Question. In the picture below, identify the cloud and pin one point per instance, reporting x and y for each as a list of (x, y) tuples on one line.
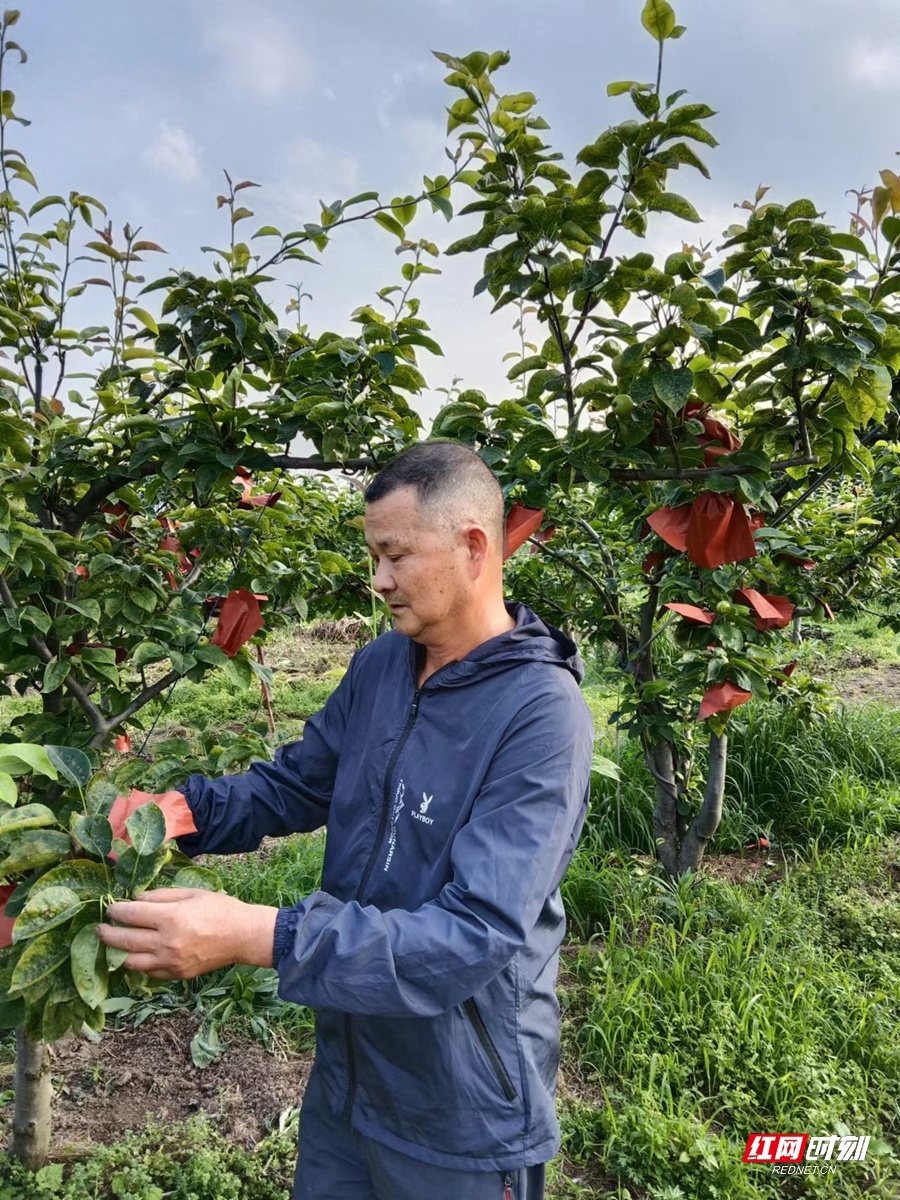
[(875, 65), (259, 51), (174, 153), (314, 172)]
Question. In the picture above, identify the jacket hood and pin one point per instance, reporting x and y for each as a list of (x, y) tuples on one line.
[(532, 640)]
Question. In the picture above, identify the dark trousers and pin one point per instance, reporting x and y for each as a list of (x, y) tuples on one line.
[(337, 1163)]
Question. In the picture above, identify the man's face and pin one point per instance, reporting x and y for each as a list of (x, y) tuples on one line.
[(419, 569)]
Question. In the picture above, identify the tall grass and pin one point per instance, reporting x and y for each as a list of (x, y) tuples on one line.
[(795, 782), (705, 1011)]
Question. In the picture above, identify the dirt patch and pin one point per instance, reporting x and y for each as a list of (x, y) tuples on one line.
[(742, 868), (131, 1076), (880, 685)]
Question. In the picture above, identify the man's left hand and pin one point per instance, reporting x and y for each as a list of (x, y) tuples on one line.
[(177, 933)]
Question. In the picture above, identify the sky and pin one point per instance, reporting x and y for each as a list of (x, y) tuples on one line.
[(142, 103)]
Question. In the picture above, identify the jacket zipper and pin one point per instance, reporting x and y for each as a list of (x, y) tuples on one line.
[(367, 873), (490, 1050), (507, 1187)]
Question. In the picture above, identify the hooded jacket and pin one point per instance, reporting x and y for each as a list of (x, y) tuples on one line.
[(430, 953)]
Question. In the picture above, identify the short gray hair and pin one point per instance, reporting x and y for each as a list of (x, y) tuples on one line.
[(451, 482)]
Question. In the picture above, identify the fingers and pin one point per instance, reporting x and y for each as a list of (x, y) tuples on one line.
[(124, 937), (169, 895), (150, 965), (141, 912), (134, 912)]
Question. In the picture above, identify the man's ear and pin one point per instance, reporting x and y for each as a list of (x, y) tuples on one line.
[(478, 545)]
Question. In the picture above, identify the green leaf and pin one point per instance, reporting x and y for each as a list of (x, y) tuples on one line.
[(54, 674), (93, 833), (801, 210), (45, 955), (211, 654), (535, 363), (620, 87), (136, 871), (147, 828), (671, 203), (847, 241), (49, 908), (182, 663), (391, 224), (147, 320), (890, 227), (12, 1013), (238, 671), (89, 879), (74, 765), (29, 816), (148, 652), (206, 1047), (34, 848), (23, 759), (101, 795), (404, 210), (604, 767), (658, 18), (9, 792), (889, 287), (89, 971), (604, 152), (102, 662), (198, 877), (115, 957), (673, 387)]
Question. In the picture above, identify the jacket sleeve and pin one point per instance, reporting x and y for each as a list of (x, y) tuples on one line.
[(507, 860), (291, 794)]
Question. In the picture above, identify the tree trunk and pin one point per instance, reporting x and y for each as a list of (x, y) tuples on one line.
[(660, 760), (31, 1119), (706, 822), (679, 847)]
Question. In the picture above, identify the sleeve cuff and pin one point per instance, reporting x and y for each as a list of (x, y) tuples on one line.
[(285, 929), (190, 843)]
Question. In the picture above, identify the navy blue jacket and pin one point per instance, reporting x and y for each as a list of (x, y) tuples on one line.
[(430, 955)]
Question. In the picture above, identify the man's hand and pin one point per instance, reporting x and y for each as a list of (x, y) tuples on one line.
[(177, 933)]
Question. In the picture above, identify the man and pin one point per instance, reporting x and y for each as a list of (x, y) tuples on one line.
[(451, 766)]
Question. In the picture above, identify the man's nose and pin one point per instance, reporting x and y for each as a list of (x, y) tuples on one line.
[(383, 581)]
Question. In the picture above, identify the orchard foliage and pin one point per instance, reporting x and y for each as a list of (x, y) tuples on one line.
[(707, 444), (679, 420)]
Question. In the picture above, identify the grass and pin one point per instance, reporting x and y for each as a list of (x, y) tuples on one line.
[(850, 643), (794, 783), (702, 1012)]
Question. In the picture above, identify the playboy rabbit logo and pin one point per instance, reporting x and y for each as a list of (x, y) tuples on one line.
[(423, 809)]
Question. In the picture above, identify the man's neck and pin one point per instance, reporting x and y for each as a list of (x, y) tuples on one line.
[(461, 643)]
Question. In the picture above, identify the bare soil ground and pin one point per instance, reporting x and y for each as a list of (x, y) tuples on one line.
[(131, 1076), (876, 685)]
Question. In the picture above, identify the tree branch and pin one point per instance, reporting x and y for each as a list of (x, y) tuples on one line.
[(46, 655), (580, 570), (144, 697), (288, 462), (625, 474)]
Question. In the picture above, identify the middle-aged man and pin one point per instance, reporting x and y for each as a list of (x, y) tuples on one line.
[(451, 767)]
